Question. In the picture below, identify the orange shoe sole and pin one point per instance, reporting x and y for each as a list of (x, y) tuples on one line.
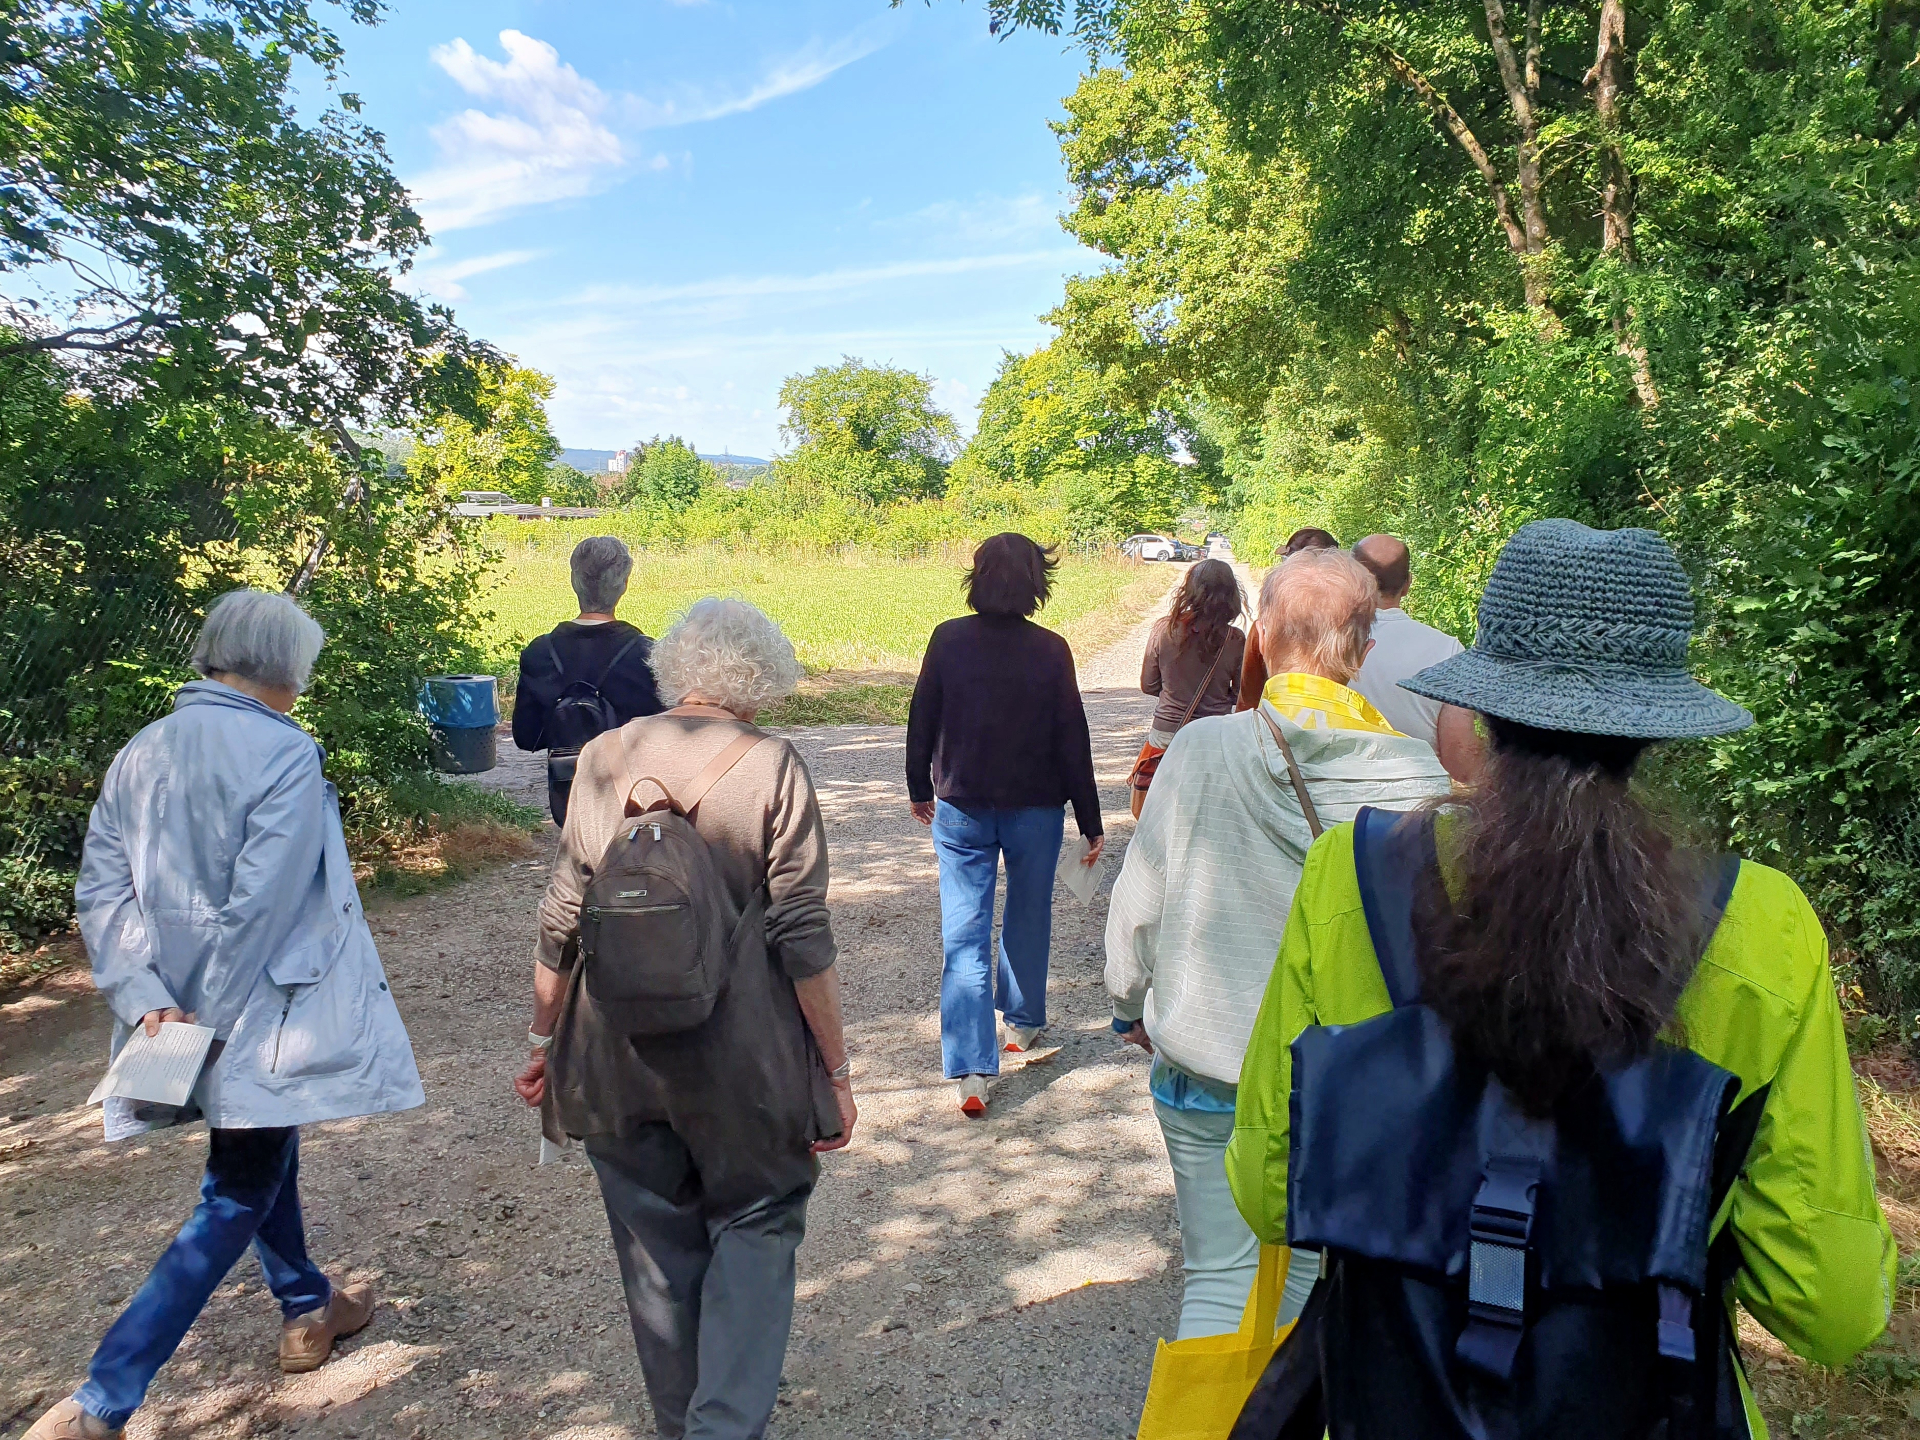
[(973, 1105)]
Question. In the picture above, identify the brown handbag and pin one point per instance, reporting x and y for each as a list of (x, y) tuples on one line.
[(1148, 760)]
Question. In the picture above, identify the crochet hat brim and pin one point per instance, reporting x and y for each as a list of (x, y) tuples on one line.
[(1584, 699)]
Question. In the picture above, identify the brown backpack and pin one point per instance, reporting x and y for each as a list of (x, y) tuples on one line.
[(657, 928)]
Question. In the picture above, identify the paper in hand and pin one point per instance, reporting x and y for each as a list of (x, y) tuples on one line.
[(160, 1069), (1080, 878)]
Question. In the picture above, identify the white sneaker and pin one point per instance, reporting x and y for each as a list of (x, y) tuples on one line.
[(1021, 1037), (973, 1094)]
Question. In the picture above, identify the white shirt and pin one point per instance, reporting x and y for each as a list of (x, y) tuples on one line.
[(1403, 647)]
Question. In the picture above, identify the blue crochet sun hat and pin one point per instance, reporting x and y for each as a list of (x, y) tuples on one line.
[(1585, 631)]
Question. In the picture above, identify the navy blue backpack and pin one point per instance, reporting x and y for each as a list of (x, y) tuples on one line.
[(1491, 1275)]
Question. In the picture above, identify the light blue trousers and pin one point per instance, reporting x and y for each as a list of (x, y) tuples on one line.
[(1218, 1253)]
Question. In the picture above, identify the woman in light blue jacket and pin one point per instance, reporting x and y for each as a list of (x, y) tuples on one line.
[(215, 887)]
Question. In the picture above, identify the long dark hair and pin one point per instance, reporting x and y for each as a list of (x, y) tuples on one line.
[(1010, 575), (1207, 603), (1577, 920)]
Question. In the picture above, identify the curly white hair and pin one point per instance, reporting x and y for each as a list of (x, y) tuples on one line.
[(729, 652)]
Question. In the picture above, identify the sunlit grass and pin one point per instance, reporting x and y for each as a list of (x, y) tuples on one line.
[(842, 610)]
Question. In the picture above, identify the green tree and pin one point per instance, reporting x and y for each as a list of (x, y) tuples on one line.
[(870, 432), (665, 475), (1048, 423), (507, 446)]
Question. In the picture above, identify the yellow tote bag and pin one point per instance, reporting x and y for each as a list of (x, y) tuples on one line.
[(1199, 1385)]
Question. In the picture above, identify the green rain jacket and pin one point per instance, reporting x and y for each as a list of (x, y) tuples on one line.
[(1818, 1256)]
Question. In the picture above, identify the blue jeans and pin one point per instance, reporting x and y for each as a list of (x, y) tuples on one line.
[(970, 843), (249, 1194)]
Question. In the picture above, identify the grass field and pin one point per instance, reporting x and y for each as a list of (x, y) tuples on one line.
[(843, 612)]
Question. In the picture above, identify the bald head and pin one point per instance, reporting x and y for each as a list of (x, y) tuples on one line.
[(1390, 563), (1316, 615)]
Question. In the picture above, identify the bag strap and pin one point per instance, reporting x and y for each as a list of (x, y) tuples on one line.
[(710, 775), (1293, 773), (618, 656), (1390, 853)]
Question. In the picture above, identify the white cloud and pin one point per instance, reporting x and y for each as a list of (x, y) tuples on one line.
[(738, 287), (548, 142), (802, 70), (549, 133), (984, 218), (443, 281)]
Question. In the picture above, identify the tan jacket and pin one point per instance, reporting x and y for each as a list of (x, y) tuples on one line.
[(746, 1090)]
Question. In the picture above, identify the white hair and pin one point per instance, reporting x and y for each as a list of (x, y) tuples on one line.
[(600, 565), (1317, 606), (729, 652), (260, 635)]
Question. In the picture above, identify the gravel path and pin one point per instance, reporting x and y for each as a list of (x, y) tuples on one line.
[(994, 1278)]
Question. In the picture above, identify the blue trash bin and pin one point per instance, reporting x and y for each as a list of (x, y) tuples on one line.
[(463, 713)]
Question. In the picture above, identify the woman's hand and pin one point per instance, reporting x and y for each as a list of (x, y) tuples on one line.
[(531, 1083), (1094, 846), (154, 1019), (923, 811), (1138, 1036), (849, 1113)]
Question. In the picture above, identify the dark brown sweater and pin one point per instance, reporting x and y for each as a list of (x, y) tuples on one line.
[(1174, 671)]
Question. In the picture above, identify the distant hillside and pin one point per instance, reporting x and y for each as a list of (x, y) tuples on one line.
[(594, 462)]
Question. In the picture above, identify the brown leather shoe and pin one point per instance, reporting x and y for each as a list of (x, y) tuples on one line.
[(67, 1421), (306, 1342)]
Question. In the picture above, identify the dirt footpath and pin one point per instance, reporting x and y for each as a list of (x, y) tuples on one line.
[(1004, 1277)]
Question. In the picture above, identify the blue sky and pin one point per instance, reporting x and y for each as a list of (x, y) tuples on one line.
[(671, 205)]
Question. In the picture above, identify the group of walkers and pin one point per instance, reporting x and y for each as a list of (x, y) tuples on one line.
[(1526, 1087)]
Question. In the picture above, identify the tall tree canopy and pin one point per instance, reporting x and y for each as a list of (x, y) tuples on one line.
[(1444, 268), (164, 210), (868, 431)]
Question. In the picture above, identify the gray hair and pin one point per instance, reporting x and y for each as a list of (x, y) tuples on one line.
[(601, 565), (260, 635), (1317, 606), (729, 652)]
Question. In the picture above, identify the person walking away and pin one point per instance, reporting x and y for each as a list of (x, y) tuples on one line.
[(1402, 648), (215, 888), (1553, 933), (1192, 662), (997, 745), (1201, 900), (588, 675), (1253, 671), (702, 1126)]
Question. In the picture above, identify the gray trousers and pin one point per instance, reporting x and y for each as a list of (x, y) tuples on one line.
[(710, 1295)]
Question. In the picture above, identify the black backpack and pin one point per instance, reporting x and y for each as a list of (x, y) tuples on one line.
[(580, 713), (657, 928), (1490, 1275)]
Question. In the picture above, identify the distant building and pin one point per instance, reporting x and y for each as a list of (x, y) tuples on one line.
[(618, 464)]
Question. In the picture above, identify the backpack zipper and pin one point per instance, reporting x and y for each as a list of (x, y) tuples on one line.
[(594, 912)]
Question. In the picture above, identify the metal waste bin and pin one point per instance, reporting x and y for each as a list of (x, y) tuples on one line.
[(462, 714)]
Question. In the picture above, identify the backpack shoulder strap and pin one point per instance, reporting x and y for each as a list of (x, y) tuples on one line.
[(553, 651), (618, 656), (1390, 853), (710, 775), (1307, 809)]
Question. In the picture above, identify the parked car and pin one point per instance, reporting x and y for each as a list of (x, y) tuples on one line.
[(1149, 547), (1183, 551)]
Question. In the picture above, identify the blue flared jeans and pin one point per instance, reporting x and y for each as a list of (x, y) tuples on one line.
[(249, 1195), (970, 843)]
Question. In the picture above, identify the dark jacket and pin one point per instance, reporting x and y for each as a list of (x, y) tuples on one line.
[(997, 721), (584, 652)]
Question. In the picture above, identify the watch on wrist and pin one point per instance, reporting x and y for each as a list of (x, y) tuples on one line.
[(844, 1071), (538, 1042)]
